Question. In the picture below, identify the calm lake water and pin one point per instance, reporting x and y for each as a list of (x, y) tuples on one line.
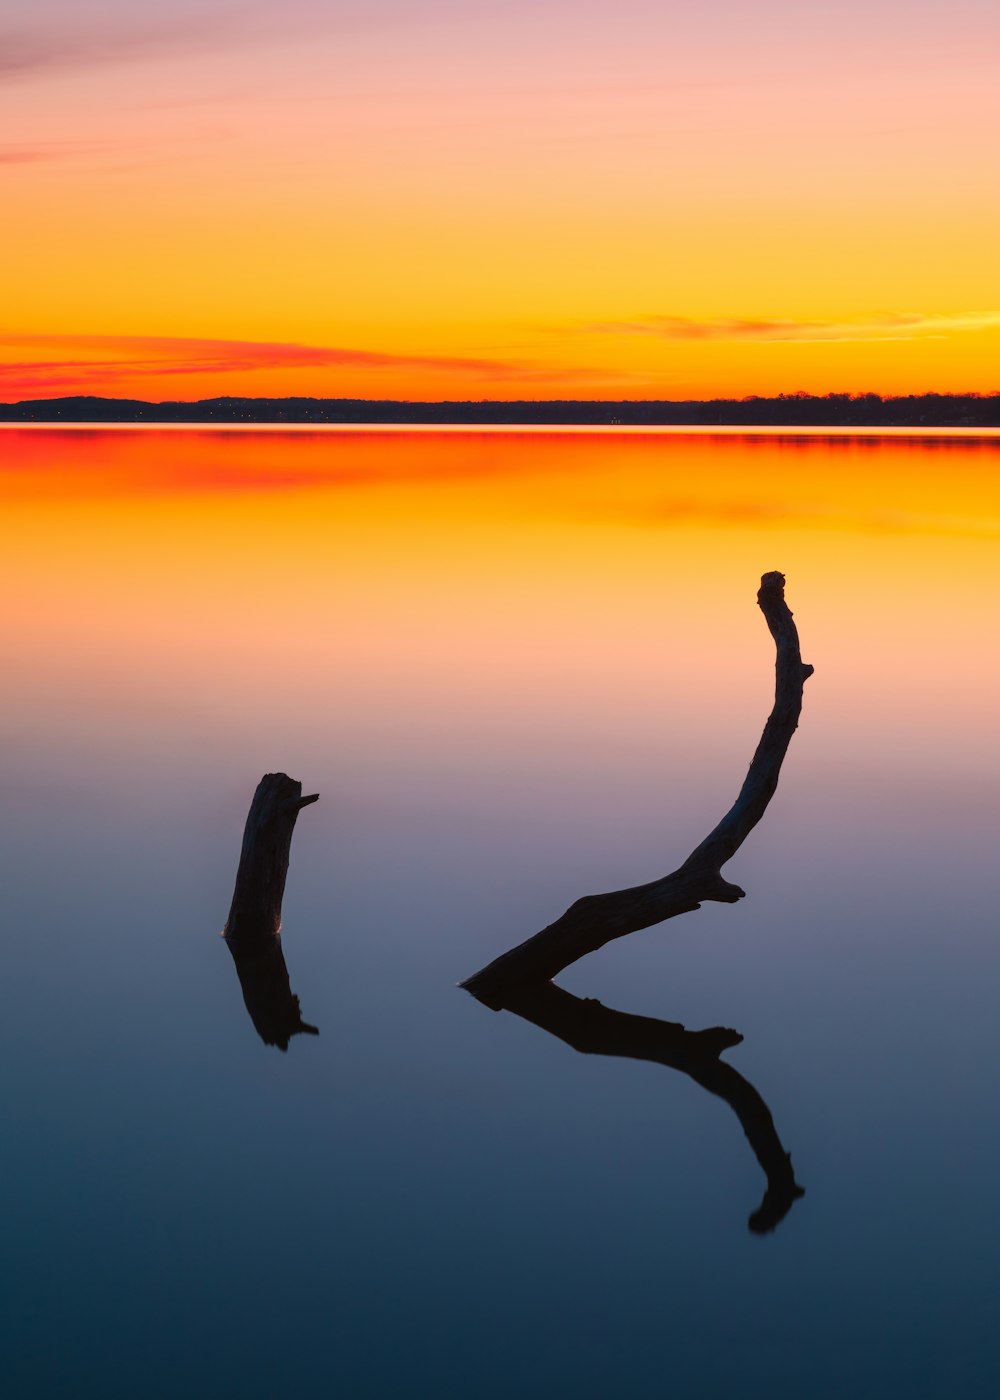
[(518, 668)]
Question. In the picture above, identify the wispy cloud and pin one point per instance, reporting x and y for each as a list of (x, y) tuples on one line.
[(80, 364), (894, 326), (25, 155), (42, 152), (59, 38)]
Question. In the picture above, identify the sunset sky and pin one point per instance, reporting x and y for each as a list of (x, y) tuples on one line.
[(473, 199)]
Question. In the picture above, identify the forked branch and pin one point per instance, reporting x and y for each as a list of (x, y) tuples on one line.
[(596, 919)]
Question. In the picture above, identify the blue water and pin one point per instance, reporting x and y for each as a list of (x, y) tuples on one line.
[(433, 1200)]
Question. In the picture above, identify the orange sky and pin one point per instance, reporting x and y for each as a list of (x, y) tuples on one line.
[(444, 200)]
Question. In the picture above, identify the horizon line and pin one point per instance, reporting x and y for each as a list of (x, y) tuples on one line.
[(830, 430), (783, 396)]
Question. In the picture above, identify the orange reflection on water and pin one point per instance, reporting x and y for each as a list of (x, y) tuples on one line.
[(494, 598)]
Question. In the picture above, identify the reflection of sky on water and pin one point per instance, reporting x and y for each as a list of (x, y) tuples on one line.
[(509, 694)]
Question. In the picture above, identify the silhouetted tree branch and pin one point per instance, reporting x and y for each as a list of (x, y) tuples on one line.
[(597, 919)]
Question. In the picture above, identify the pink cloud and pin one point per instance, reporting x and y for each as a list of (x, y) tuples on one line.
[(893, 326), (43, 151), (105, 362), (57, 37)]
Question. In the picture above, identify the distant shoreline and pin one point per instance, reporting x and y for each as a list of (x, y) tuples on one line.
[(786, 431), (921, 412)]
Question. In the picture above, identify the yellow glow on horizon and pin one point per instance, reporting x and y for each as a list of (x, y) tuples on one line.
[(386, 194)]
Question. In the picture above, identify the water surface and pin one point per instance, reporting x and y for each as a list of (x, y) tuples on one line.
[(519, 668)]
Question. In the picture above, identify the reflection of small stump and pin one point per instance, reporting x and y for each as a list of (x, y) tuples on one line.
[(252, 931), (273, 1006)]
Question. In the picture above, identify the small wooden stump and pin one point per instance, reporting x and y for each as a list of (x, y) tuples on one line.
[(253, 929)]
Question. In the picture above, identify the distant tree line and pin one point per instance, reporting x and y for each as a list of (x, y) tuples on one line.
[(784, 410)]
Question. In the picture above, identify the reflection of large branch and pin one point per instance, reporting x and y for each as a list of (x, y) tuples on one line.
[(594, 1029), (596, 919), (252, 929)]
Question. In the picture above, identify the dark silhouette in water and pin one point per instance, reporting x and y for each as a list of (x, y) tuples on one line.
[(273, 1007), (594, 1029), (252, 931), (596, 919), (520, 980)]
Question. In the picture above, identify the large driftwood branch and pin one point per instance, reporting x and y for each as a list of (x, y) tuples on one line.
[(252, 931), (594, 1029), (597, 919)]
